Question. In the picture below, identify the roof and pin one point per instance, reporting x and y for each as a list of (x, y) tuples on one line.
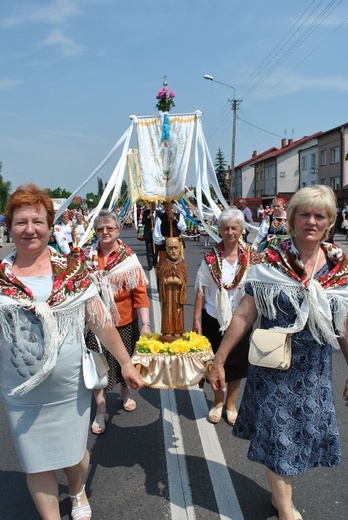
[(280, 151), (252, 159)]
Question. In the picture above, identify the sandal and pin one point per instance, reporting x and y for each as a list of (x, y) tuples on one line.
[(81, 510), (296, 512), (231, 416), (129, 405), (98, 425), (215, 414)]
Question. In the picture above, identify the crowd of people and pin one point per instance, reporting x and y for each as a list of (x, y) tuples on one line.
[(290, 279)]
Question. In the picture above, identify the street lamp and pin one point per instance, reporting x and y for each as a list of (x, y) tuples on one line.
[(234, 105)]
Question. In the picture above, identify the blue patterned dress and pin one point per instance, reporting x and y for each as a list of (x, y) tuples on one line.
[(289, 416)]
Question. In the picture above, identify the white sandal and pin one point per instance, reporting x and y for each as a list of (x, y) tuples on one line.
[(215, 414), (296, 512), (81, 510), (98, 425), (231, 416)]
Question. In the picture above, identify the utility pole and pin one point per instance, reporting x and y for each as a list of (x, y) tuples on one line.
[(234, 105)]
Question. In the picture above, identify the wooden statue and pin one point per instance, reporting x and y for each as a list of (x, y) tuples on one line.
[(172, 276)]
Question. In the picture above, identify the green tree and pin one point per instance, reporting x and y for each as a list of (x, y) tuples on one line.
[(58, 193), (5, 190), (91, 200), (123, 194), (221, 170)]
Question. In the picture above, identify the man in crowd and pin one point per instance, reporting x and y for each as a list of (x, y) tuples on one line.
[(168, 223), (248, 217)]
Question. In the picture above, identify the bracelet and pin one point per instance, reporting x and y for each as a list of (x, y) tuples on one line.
[(146, 324)]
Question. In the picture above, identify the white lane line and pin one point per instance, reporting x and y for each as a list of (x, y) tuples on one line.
[(225, 493), (178, 482)]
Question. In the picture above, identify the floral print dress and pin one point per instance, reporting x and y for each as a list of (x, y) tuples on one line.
[(289, 416)]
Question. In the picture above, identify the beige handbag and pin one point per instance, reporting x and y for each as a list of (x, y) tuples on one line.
[(270, 349)]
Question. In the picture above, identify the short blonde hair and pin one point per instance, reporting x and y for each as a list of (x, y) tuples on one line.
[(319, 197)]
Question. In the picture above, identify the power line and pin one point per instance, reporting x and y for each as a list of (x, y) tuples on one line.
[(270, 67), (259, 128)]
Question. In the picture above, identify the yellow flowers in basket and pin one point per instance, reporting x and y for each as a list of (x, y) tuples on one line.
[(190, 343)]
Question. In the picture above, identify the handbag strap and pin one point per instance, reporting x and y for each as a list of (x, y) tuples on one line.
[(315, 265), (86, 349), (99, 344)]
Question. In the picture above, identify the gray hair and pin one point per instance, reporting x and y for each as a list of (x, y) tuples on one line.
[(231, 214), (105, 214)]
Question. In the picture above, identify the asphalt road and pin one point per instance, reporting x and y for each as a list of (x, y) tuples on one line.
[(165, 461)]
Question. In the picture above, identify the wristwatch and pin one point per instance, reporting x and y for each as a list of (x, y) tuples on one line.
[(146, 324)]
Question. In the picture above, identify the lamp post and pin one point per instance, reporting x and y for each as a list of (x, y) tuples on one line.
[(234, 106)]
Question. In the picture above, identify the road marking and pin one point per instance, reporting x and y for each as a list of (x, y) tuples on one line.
[(180, 497), (224, 491), (178, 482)]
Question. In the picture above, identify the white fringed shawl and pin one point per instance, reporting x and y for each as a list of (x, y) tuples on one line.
[(210, 275), (123, 273), (324, 309), (63, 312)]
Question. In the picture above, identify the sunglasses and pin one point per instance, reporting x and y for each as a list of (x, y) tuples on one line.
[(109, 229)]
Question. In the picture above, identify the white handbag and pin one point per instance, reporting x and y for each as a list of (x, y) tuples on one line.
[(270, 349), (95, 368)]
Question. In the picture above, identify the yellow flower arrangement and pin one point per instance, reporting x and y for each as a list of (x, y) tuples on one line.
[(190, 343)]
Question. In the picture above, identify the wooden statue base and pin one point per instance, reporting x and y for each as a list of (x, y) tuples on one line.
[(169, 338)]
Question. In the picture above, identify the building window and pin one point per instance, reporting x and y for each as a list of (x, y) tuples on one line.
[(335, 155), (304, 162), (313, 160), (335, 183), (323, 158)]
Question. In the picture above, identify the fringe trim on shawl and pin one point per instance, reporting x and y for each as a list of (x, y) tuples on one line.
[(55, 325), (97, 311), (223, 309), (306, 304), (339, 309), (112, 283)]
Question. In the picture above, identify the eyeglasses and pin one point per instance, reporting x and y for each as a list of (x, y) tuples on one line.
[(109, 229)]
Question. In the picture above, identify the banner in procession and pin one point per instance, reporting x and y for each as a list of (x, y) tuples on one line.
[(164, 144)]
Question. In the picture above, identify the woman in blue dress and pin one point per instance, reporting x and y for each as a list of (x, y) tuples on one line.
[(300, 286)]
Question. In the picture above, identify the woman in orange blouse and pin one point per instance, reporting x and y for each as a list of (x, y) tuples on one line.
[(122, 284)]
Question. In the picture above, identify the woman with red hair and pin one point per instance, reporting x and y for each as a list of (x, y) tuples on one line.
[(45, 300)]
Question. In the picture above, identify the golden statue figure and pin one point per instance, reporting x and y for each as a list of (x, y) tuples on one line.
[(172, 276)]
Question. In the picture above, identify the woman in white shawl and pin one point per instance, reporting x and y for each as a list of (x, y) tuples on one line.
[(219, 289), (300, 286), (45, 300)]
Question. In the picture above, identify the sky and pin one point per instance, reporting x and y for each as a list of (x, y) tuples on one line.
[(73, 71)]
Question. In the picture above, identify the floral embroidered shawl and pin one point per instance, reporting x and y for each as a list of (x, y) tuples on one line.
[(123, 271), (212, 268), (72, 287), (214, 258), (320, 302)]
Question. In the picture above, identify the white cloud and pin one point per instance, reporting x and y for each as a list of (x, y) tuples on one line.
[(66, 45), (54, 12), (7, 83)]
